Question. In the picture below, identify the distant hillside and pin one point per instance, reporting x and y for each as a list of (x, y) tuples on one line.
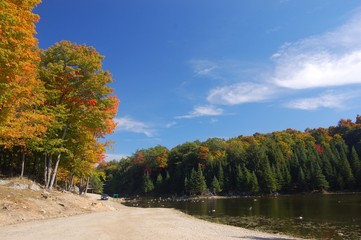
[(287, 161)]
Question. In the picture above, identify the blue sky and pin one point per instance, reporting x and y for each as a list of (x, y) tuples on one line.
[(191, 70)]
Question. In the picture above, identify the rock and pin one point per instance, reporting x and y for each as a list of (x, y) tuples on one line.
[(61, 204), (19, 186), (6, 206), (45, 195), (3, 182), (34, 187), (74, 189)]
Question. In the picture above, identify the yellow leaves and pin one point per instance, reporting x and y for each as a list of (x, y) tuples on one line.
[(203, 153), (17, 48)]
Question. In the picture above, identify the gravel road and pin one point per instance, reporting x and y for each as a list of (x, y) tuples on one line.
[(130, 223)]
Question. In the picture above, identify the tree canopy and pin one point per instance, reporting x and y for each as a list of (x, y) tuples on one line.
[(288, 161), (55, 104)]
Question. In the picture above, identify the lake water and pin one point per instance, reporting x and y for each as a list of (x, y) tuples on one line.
[(330, 216)]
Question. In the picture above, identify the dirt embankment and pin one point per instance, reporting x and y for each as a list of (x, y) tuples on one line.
[(22, 200)]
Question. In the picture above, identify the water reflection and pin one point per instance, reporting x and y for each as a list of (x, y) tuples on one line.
[(315, 216)]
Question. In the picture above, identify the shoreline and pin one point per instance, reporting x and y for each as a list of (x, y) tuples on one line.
[(131, 223)]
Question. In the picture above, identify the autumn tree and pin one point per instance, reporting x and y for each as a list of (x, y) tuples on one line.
[(21, 93), (78, 92), (18, 57)]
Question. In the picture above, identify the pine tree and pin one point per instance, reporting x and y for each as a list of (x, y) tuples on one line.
[(356, 166), (345, 170), (220, 175), (254, 183), (247, 178), (196, 184), (301, 180), (239, 179), (201, 182), (159, 184), (266, 177), (215, 186), (148, 185), (318, 179)]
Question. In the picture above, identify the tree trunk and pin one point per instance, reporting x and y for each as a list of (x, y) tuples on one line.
[(55, 171), (71, 183), (57, 161), (22, 166), (45, 170), (48, 172), (86, 186)]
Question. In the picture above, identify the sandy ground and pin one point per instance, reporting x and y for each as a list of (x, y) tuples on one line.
[(115, 221)]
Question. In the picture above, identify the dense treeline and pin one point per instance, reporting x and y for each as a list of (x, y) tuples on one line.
[(286, 161), (54, 104)]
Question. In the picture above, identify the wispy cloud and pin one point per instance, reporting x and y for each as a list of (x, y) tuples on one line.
[(171, 124), (327, 60), (324, 61), (229, 70), (240, 93), (200, 111), (204, 67), (130, 125), (327, 100)]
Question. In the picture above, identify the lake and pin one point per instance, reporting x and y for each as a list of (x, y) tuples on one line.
[(327, 216)]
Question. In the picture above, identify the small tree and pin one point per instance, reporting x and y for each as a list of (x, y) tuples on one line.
[(254, 183), (215, 186), (196, 184), (148, 185)]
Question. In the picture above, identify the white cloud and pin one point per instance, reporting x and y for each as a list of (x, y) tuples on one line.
[(130, 125), (331, 60), (327, 60), (328, 100), (240, 93), (117, 157), (204, 67), (200, 111), (171, 124)]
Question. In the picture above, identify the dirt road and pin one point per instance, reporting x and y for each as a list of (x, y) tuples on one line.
[(129, 223)]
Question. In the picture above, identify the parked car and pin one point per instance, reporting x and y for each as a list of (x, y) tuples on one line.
[(104, 197)]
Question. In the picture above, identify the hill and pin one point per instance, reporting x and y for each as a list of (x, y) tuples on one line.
[(23, 200)]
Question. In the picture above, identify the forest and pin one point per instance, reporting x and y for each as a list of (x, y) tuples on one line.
[(55, 104), (289, 161)]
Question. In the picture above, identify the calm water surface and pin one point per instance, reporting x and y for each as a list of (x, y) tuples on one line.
[(333, 216)]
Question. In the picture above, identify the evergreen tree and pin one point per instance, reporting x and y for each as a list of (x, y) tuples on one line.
[(254, 188), (318, 179), (356, 167), (327, 169), (196, 184), (239, 179), (247, 178), (220, 175), (159, 184), (345, 170), (301, 180), (187, 186), (215, 186), (201, 182), (148, 185), (266, 177)]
